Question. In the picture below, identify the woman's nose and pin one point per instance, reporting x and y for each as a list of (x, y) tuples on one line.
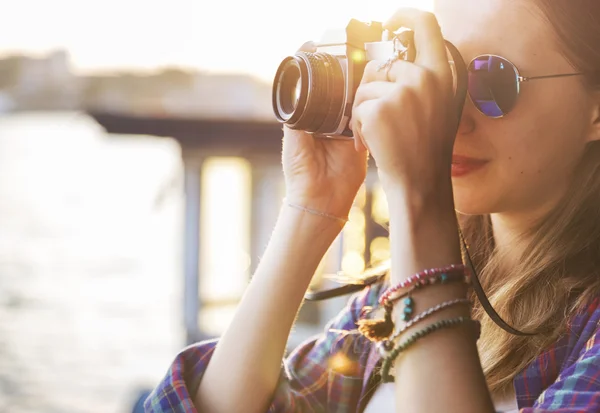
[(467, 120), (466, 125)]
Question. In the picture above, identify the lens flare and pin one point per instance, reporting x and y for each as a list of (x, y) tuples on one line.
[(358, 56)]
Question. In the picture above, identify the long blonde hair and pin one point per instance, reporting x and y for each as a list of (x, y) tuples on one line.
[(558, 274), (559, 271)]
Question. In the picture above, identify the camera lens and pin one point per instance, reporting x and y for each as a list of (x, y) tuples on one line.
[(288, 89), (308, 92), (296, 94)]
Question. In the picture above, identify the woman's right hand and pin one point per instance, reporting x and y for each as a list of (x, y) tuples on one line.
[(321, 173)]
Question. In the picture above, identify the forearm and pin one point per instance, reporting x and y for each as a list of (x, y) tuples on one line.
[(441, 372), (244, 370)]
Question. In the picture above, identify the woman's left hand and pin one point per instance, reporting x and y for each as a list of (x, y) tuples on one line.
[(404, 115)]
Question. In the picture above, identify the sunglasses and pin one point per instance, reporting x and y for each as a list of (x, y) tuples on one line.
[(495, 83)]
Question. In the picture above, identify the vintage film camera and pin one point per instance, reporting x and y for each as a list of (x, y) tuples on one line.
[(314, 90)]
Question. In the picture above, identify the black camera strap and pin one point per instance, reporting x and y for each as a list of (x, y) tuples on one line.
[(462, 82), (462, 79)]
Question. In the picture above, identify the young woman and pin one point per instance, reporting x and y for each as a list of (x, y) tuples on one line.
[(521, 179)]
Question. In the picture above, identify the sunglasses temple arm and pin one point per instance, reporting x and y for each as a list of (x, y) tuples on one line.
[(527, 79)]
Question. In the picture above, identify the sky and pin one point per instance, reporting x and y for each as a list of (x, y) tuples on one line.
[(218, 35)]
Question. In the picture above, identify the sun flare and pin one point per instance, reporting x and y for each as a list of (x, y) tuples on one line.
[(219, 36)]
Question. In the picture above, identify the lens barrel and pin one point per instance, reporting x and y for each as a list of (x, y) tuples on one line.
[(309, 91)]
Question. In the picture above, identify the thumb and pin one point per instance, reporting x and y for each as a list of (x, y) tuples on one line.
[(359, 142), (308, 47)]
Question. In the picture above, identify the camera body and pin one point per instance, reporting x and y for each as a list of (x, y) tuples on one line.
[(314, 90)]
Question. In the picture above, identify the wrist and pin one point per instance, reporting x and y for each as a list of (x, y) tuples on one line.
[(423, 232), (329, 204), (342, 220), (417, 205), (301, 223), (298, 243)]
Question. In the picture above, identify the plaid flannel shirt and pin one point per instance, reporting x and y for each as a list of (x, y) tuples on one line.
[(564, 378)]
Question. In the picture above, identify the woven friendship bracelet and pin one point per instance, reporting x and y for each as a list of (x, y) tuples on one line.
[(440, 325), (386, 346), (343, 221)]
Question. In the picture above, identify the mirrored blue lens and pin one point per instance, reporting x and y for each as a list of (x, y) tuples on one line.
[(493, 85)]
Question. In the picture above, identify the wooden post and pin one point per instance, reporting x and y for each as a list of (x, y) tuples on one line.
[(191, 293)]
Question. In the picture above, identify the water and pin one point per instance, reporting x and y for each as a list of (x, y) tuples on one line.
[(90, 267)]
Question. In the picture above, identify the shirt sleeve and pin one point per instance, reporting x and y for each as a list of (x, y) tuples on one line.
[(307, 374), (577, 388)]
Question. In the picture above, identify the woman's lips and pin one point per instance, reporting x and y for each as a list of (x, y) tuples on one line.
[(463, 165)]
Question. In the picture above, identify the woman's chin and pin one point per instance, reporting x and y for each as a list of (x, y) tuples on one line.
[(471, 205)]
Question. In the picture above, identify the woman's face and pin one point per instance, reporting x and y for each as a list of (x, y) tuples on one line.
[(533, 149)]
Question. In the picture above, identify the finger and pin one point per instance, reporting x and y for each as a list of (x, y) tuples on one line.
[(359, 114), (359, 142), (293, 139), (372, 90), (374, 73), (429, 42), (309, 47), (366, 92), (355, 128)]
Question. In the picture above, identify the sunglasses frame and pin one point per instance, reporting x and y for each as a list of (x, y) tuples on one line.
[(519, 79)]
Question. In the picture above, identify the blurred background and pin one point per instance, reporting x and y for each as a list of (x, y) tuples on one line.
[(140, 180)]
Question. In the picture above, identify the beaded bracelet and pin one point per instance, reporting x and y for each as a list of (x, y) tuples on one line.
[(386, 346), (441, 278), (409, 302), (440, 325), (423, 278)]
